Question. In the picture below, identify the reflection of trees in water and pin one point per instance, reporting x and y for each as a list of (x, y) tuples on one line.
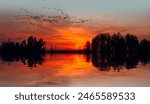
[(30, 51), (31, 60), (117, 51), (108, 51), (88, 57), (101, 61), (105, 62)]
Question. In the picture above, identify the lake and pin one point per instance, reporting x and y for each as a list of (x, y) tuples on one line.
[(60, 70)]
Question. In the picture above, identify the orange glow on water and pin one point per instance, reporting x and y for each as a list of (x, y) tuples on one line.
[(65, 66), (70, 70)]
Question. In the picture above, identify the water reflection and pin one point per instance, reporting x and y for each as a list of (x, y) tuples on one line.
[(31, 60), (103, 62), (73, 70)]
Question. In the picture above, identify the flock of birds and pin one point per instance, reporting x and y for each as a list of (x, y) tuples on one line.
[(31, 20), (62, 16)]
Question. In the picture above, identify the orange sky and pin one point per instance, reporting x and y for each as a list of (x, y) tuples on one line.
[(70, 36), (73, 37)]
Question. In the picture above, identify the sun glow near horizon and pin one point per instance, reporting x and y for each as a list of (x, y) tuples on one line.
[(69, 38)]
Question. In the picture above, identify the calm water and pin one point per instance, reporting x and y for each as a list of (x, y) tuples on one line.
[(72, 70)]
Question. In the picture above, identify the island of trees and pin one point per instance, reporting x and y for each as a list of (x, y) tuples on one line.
[(30, 51), (117, 51), (106, 50)]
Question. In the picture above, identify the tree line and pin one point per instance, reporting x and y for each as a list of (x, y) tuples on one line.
[(118, 51), (31, 45), (107, 51), (116, 44)]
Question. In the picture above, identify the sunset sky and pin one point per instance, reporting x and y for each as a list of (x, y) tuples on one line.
[(85, 19)]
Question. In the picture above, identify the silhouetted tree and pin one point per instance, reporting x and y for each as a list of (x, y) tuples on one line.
[(118, 44), (144, 47), (30, 52), (87, 47), (31, 46), (101, 43), (132, 43), (117, 51)]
